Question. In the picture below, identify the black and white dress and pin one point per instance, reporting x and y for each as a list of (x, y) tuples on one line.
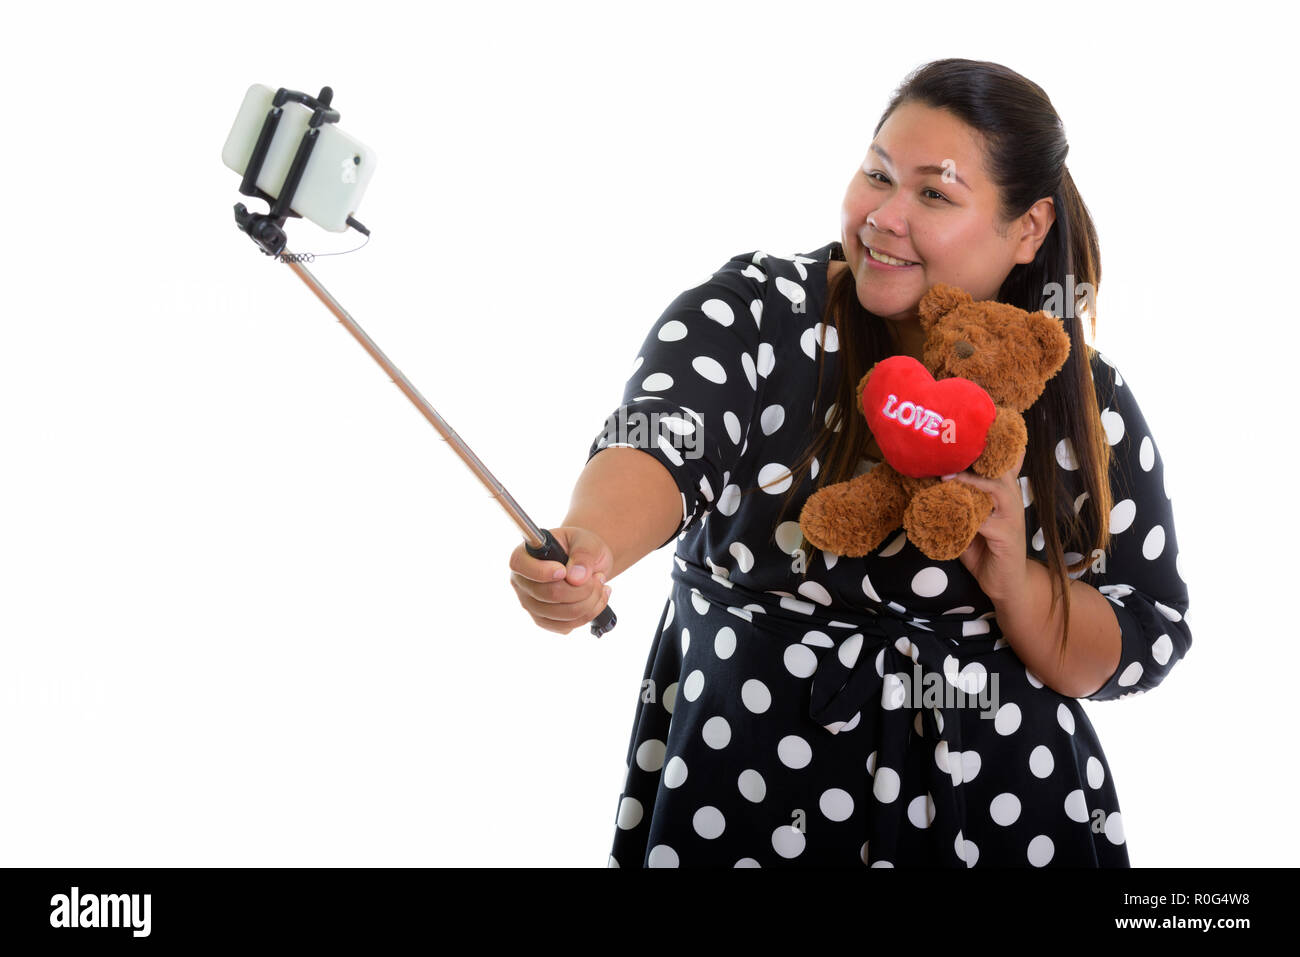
[(772, 727)]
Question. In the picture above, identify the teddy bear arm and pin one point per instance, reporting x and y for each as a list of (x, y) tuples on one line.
[(1007, 436)]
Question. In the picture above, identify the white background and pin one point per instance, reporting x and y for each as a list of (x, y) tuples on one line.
[(254, 611)]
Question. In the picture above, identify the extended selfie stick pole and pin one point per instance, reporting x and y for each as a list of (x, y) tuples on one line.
[(267, 231)]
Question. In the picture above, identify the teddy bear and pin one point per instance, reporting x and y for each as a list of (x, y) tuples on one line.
[(999, 358)]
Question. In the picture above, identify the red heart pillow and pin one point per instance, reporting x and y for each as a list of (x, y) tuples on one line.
[(925, 427)]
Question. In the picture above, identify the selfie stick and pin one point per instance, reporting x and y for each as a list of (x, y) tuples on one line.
[(267, 231)]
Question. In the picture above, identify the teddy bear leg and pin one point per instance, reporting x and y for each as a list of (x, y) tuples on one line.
[(852, 518), (942, 519)]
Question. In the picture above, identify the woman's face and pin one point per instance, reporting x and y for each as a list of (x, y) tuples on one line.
[(922, 195)]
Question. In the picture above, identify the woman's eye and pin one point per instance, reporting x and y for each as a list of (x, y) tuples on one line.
[(872, 174)]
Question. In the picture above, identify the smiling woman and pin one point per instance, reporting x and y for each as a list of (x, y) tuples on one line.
[(774, 724)]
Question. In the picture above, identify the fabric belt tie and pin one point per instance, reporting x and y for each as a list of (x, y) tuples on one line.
[(857, 668)]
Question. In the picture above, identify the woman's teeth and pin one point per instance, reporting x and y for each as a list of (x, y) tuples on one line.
[(888, 260)]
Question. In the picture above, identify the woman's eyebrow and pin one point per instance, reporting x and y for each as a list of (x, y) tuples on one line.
[(936, 170)]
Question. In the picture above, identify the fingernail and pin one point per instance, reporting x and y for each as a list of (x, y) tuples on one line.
[(601, 577), (607, 591), (559, 573), (579, 571), (952, 476)]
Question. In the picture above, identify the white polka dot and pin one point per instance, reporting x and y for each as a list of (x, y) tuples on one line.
[(657, 382), (677, 425), (1114, 828), (920, 810), (1161, 650), (929, 582), (708, 822), (791, 290), (732, 424), (716, 732), (718, 311), (970, 765), (1005, 808), (777, 473), (670, 697), (818, 639), (849, 649), (815, 591), (751, 370), (1113, 423), (693, 685), (710, 368), (661, 855), (674, 772), (755, 696), (788, 841), (752, 786), (886, 785), (800, 660), (1122, 515), (1041, 761), (1007, 719), (836, 804), (1041, 850), (1154, 543), (1130, 675), (788, 536), (1096, 773), (1147, 454), (672, 331), (1065, 455), (1065, 718), (743, 556), (629, 813), (729, 500), (747, 862), (766, 359), (724, 643), (794, 751), (1076, 806), (771, 419), (966, 850), (650, 756)]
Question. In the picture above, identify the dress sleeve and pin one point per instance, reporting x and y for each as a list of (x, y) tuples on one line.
[(1140, 574), (694, 387)]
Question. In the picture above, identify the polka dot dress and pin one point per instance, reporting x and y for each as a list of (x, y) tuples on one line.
[(811, 709)]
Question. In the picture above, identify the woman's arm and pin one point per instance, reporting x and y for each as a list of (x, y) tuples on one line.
[(629, 499), (1092, 651)]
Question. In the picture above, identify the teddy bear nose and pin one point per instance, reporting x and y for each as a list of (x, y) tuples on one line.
[(963, 349)]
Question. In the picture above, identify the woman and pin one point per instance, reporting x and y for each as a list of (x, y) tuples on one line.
[(782, 719)]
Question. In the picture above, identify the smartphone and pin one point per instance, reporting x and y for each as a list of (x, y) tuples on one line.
[(337, 172)]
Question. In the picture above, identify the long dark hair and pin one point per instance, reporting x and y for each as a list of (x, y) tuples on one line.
[(1026, 147)]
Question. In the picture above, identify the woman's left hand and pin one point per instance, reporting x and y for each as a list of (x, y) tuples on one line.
[(996, 556)]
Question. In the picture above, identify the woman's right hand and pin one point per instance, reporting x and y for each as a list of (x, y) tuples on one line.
[(563, 602)]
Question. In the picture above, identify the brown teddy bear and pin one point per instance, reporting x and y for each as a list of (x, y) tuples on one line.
[(1008, 353)]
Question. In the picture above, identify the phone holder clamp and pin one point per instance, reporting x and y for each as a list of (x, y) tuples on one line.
[(267, 229)]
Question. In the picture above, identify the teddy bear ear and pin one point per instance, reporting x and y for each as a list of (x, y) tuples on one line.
[(941, 299), (1053, 343)]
